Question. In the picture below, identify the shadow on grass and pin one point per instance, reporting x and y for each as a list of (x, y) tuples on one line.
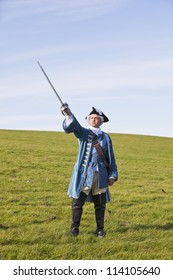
[(49, 219), (167, 226), (3, 227), (127, 226)]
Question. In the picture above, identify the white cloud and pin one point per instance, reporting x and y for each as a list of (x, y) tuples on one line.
[(36, 122), (66, 10), (81, 79), (103, 76)]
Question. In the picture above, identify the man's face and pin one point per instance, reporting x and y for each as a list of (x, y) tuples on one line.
[(94, 120)]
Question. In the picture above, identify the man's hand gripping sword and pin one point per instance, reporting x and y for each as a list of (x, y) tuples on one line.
[(64, 106)]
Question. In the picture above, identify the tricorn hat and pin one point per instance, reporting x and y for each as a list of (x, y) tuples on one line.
[(99, 113)]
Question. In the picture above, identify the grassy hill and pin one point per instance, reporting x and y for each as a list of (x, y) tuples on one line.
[(35, 211)]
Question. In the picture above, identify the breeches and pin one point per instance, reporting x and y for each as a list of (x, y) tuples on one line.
[(95, 189)]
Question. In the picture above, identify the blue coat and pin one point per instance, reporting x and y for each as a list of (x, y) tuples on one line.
[(85, 166)]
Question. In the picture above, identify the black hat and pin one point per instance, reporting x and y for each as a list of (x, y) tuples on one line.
[(99, 113)]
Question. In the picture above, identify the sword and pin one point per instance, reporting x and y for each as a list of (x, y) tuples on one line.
[(59, 98)]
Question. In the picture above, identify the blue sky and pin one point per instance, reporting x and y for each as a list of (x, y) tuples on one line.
[(115, 55)]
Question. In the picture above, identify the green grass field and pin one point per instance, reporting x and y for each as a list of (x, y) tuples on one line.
[(35, 211)]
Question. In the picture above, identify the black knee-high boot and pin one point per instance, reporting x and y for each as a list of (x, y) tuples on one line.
[(77, 209), (100, 206)]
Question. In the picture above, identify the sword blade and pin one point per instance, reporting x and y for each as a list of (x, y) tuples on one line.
[(59, 98)]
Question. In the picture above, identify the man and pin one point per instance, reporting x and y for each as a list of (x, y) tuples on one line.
[(94, 170)]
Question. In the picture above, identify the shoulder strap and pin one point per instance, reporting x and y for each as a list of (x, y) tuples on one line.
[(100, 152)]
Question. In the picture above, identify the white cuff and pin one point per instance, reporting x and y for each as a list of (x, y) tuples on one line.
[(68, 120)]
